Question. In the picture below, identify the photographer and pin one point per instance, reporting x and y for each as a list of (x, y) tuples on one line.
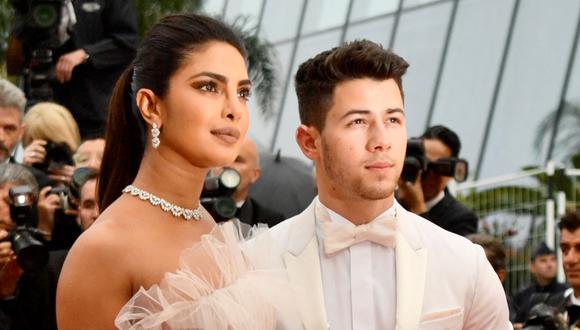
[(248, 209), (83, 49), (26, 293), (50, 137), (85, 188), (428, 195)]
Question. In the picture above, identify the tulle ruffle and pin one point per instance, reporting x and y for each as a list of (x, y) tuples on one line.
[(221, 283)]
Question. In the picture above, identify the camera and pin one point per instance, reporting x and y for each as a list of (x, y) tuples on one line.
[(217, 192), (37, 31), (31, 254), (57, 155), (70, 196), (416, 162)]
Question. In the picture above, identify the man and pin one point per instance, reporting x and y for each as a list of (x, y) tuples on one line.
[(570, 246), (543, 268), (90, 153), (26, 298), (358, 259), (88, 207), (428, 196), (12, 103), (94, 42), (249, 210), (494, 251)]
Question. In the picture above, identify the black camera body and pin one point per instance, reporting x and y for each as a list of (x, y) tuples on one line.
[(31, 254), (217, 192), (37, 31), (57, 155), (416, 162)]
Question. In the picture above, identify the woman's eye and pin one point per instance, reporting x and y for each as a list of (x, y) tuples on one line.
[(358, 121), (208, 87), (244, 93)]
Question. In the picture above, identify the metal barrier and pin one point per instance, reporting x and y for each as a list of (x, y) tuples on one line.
[(518, 210)]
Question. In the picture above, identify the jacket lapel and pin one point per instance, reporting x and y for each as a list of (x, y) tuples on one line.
[(303, 265), (411, 268)]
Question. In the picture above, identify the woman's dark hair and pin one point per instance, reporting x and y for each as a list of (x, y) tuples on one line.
[(163, 50)]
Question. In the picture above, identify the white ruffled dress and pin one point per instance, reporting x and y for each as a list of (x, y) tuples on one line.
[(222, 283)]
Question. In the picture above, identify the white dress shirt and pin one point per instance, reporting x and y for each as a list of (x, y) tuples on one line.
[(430, 203), (359, 282)]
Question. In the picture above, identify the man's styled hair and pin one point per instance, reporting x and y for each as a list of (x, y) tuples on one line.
[(494, 250), (19, 175), (570, 221), (318, 77), (445, 135), (11, 96)]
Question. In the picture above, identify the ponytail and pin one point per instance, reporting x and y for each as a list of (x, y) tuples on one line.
[(124, 142)]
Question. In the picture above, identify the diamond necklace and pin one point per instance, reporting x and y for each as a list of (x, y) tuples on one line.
[(177, 211)]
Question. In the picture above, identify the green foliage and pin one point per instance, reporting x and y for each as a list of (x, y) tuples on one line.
[(262, 66), (504, 198), (567, 142), (149, 12)]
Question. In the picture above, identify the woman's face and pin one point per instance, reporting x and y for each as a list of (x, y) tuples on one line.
[(204, 114)]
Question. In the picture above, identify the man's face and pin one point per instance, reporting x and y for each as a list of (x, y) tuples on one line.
[(362, 146), (11, 130), (247, 165), (88, 208), (431, 182), (5, 219), (570, 246), (90, 154), (544, 268)]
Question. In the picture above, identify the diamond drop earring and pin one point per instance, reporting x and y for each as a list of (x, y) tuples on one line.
[(155, 136)]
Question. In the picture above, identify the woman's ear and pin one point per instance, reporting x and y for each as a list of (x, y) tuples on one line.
[(148, 104), (308, 139)]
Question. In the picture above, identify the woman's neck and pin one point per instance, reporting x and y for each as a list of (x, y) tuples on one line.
[(179, 183)]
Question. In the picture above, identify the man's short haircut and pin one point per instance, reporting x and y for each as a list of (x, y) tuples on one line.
[(11, 96), (493, 248), (570, 221), (19, 175), (445, 135), (318, 77)]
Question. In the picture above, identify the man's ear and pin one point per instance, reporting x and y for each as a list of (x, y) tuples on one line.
[(256, 176), (149, 107), (308, 138)]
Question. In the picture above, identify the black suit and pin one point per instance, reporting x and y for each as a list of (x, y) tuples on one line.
[(525, 299), (453, 216), (34, 304), (253, 213), (107, 31)]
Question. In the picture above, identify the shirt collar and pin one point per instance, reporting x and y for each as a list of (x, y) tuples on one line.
[(335, 217), (430, 203)]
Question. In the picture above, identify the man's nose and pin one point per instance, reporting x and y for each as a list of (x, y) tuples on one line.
[(379, 138), (571, 258)]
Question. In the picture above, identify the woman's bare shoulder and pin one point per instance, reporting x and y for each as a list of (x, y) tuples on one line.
[(96, 280)]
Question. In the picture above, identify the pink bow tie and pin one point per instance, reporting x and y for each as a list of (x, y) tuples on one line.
[(339, 236)]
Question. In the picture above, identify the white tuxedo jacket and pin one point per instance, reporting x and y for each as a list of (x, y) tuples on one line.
[(443, 280)]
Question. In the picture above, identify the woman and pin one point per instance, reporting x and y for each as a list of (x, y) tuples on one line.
[(50, 127), (190, 85)]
